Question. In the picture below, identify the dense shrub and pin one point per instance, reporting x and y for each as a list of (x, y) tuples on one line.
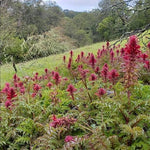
[(90, 102)]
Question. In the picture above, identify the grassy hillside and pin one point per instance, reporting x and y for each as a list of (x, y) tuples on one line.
[(38, 65)]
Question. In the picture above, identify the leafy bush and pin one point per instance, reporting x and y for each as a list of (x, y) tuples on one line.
[(97, 102)]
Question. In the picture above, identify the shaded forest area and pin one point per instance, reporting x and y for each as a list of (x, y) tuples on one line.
[(33, 28)]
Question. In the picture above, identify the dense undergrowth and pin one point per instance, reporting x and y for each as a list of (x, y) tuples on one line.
[(96, 101)]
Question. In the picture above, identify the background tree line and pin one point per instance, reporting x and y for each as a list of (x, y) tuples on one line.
[(32, 28)]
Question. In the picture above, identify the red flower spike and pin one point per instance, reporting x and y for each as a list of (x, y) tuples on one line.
[(78, 58), (6, 88), (107, 44), (83, 72), (104, 72), (82, 54), (69, 66), (100, 92), (147, 65), (97, 70), (11, 93), (49, 84), (8, 103), (117, 52), (148, 45), (131, 59), (22, 90), (36, 87), (93, 77), (122, 51), (113, 75), (144, 56), (112, 56), (46, 70), (36, 73), (33, 95), (64, 121), (64, 58), (71, 89), (69, 138), (132, 48), (57, 78), (71, 53), (92, 60)]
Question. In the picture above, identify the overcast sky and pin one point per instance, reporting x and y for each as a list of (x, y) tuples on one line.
[(78, 5)]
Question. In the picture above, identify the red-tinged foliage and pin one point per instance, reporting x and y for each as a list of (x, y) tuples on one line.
[(64, 121)]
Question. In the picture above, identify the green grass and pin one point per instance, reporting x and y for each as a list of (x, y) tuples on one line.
[(38, 65)]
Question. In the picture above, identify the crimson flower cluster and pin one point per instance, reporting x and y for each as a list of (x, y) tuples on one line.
[(10, 93), (64, 121)]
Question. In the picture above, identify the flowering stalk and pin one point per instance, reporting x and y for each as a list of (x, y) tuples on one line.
[(131, 58)]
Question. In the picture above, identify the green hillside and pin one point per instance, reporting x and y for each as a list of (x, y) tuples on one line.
[(38, 65)]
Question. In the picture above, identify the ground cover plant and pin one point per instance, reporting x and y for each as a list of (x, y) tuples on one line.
[(93, 101)]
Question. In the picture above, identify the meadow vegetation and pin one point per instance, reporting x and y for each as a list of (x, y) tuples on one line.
[(96, 100)]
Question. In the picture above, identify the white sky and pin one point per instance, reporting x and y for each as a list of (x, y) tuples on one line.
[(78, 5)]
